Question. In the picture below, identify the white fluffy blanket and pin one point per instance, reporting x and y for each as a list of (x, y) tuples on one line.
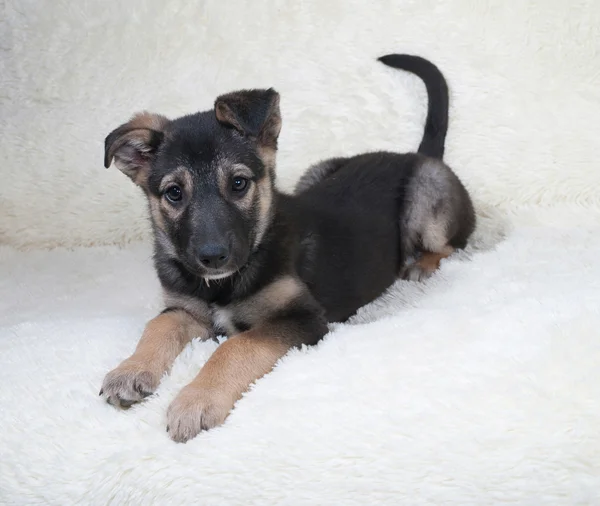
[(480, 386)]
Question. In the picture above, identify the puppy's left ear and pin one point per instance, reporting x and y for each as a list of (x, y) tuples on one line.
[(254, 113)]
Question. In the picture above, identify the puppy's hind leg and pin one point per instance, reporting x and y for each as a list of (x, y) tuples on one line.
[(427, 263), (438, 218)]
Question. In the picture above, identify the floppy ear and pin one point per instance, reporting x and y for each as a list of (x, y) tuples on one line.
[(254, 113), (133, 145)]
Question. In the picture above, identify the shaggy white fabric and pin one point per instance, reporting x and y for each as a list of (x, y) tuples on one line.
[(480, 386)]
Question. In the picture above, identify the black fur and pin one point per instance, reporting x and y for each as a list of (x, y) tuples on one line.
[(436, 124)]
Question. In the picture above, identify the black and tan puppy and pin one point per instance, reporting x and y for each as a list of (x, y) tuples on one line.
[(236, 256)]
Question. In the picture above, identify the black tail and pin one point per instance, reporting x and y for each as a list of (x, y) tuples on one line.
[(436, 124)]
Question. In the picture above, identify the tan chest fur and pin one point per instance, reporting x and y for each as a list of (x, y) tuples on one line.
[(256, 308), (242, 314)]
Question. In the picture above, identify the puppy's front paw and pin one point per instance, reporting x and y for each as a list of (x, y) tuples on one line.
[(131, 382), (193, 410)]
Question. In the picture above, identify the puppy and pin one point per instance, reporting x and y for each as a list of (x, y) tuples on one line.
[(235, 256)]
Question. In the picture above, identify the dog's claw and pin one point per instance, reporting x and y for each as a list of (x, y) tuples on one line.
[(142, 392), (101, 392), (167, 428)]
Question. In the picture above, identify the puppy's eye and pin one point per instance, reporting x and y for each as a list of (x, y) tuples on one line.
[(174, 193), (239, 184)]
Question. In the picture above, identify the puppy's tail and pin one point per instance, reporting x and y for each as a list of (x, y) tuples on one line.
[(436, 124)]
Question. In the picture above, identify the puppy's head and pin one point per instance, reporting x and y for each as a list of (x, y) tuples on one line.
[(208, 177)]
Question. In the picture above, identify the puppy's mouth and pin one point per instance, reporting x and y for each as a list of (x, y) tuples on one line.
[(194, 267), (218, 275), (210, 274)]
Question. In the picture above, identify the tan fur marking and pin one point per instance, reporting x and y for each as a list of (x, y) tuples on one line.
[(261, 190), (156, 213), (259, 307), (140, 178), (148, 120), (136, 134), (137, 139), (165, 336), (182, 177), (245, 203), (239, 169), (228, 373), (238, 362), (271, 129), (226, 172), (163, 339), (268, 155), (265, 204), (179, 176), (225, 115), (279, 293), (430, 262)]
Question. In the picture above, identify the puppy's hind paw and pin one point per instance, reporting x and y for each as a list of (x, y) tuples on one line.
[(425, 266), (415, 272)]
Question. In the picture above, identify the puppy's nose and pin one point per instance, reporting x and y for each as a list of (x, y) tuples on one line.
[(213, 256)]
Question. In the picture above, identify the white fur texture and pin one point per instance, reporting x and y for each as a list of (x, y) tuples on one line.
[(523, 79), (480, 386)]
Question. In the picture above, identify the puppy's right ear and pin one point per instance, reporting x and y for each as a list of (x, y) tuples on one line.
[(134, 144)]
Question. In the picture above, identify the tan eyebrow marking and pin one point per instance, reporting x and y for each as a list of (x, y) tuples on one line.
[(226, 171), (179, 175), (239, 169)]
